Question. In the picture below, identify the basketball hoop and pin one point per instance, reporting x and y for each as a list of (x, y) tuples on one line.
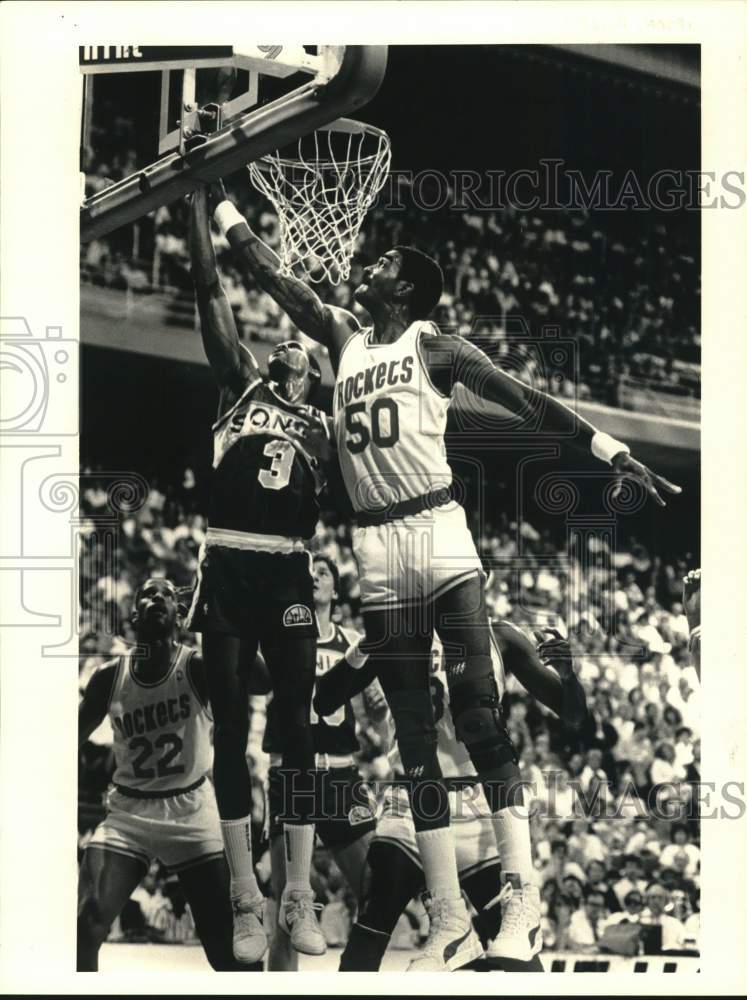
[(321, 190)]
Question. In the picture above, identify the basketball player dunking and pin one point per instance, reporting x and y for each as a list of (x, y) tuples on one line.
[(255, 588), (418, 564), (161, 804)]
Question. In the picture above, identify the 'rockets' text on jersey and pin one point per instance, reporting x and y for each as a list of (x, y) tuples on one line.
[(161, 731), (389, 420)]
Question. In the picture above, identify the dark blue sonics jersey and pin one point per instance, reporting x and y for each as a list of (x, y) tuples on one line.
[(268, 465)]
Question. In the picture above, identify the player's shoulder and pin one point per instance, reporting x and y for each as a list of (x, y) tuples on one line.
[(344, 321), (109, 668), (103, 679)]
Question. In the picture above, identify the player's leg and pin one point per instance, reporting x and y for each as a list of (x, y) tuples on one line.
[(395, 878), (207, 888), (291, 661), (106, 881), (226, 657), (402, 646), (283, 958), (347, 805), (463, 627), (351, 860)]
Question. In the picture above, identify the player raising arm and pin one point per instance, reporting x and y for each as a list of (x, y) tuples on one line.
[(391, 399), (255, 588), (391, 287)]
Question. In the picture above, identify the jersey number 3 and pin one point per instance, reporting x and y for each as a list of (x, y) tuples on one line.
[(384, 430), (277, 476)]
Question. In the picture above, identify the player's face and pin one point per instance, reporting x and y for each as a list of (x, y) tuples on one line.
[(324, 585), (380, 280), (290, 371), (156, 607)]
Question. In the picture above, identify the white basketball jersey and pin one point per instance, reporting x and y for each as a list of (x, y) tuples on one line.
[(453, 758), (161, 731), (389, 420)]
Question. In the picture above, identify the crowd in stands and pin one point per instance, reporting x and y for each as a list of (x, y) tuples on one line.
[(614, 818), (630, 301)]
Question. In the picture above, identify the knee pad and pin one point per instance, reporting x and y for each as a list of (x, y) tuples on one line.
[(415, 732), (478, 721)]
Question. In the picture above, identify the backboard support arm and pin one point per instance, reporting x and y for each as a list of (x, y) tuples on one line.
[(252, 135)]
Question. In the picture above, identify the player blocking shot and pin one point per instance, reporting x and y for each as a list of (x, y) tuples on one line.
[(255, 589), (418, 564), (344, 811), (161, 804)]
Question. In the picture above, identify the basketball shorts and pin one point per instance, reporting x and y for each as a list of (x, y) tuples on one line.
[(253, 595), (414, 559), (470, 822), (344, 808), (180, 831)]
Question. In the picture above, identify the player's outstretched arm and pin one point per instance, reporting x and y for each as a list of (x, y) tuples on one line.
[(233, 365), (691, 601), (330, 326), (451, 359), (557, 689), (348, 678), (95, 704)]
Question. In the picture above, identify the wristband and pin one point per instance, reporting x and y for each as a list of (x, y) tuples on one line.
[(604, 447), (227, 216)]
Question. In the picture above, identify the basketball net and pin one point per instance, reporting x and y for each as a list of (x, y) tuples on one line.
[(321, 193)]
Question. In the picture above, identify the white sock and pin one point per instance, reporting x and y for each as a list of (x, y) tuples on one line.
[(438, 857), (299, 848), (511, 827), (237, 838)]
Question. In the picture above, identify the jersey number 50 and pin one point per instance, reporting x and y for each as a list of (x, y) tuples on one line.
[(384, 422)]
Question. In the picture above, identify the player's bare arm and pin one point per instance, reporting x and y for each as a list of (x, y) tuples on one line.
[(451, 359), (546, 671), (330, 326), (233, 364), (691, 601), (95, 703)]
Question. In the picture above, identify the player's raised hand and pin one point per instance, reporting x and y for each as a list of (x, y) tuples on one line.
[(217, 192), (625, 465), (555, 651)]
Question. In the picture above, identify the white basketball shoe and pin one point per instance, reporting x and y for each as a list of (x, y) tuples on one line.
[(298, 919), (249, 938), (451, 941), (520, 936)]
